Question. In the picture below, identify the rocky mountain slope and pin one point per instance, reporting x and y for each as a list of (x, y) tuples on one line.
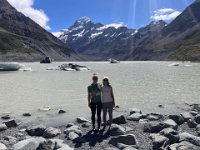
[(21, 39), (180, 40)]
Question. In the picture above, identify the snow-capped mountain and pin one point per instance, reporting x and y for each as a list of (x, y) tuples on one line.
[(101, 42)]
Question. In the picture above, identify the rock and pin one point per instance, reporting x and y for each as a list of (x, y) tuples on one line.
[(135, 110), (85, 125), (190, 138), (28, 144), (194, 113), (195, 107), (128, 129), (143, 121), (177, 118), (10, 139), (74, 129), (70, 125), (45, 109), (129, 148), (128, 139), (116, 130), (170, 123), (198, 129), (72, 136), (2, 147), (153, 127), (59, 145), (3, 127), (171, 134), (26, 114), (197, 118), (46, 145), (6, 117), (159, 141), (82, 120), (154, 117), (51, 132), (183, 146), (136, 117), (124, 146), (186, 116), (160, 106), (11, 123), (119, 120), (62, 111), (191, 123), (36, 130)]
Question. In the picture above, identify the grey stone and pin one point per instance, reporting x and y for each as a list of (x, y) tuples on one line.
[(82, 120), (6, 117), (85, 125), (11, 123), (128, 147), (168, 131), (72, 136), (36, 130), (2, 147), (128, 139), (194, 113), (171, 134), (170, 123), (191, 123), (152, 127), (198, 129), (136, 117), (70, 125), (186, 116), (61, 111), (74, 129), (116, 130), (128, 129), (177, 118), (26, 114), (154, 117), (119, 120), (190, 138), (3, 127), (46, 145), (197, 118), (10, 139), (183, 146), (159, 141), (28, 144), (51, 132), (59, 145), (135, 110)]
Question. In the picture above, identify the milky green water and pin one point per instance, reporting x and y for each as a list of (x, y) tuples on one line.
[(143, 85)]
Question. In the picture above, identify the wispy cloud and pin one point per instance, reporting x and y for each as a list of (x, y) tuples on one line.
[(26, 7), (166, 14)]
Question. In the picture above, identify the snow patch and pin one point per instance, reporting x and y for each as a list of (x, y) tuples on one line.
[(114, 25), (94, 35)]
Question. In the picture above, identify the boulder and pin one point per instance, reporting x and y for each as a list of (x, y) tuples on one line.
[(11, 123), (116, 130), (168, 131), (128, 129), (198, 129), (177, 118), (136, 117), (190, 138), (59, 145), (72, 136), (194, 113), (128, 139), (128, 147), (135, 110), (2, 147), (152, 127), (191, 123), (10, 140), (61, 111), (26, 114), (119, 120), (197, 118), (3, 127), (171, 134), (28, 144), (186, 116), (51, 132), (74, 129), (183, 146), (81, 120), (154, 117), (36, 130), (46, 145), (6, 117), (159, 141), (70, 125), (85, 125), (170, 123)]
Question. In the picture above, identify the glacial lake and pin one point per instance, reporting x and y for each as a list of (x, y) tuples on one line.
[(143, 85)]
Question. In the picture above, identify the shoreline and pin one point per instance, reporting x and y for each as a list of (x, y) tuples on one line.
[(133, 130)]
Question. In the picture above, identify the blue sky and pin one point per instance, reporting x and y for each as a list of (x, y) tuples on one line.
[(60, 14)]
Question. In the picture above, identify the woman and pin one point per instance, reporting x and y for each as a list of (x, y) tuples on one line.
[(108, 101)]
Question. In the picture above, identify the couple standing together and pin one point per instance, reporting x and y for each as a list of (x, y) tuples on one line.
[(101, 97)]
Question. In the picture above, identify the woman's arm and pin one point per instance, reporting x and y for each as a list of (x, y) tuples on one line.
[(89, 98), (112, 95)]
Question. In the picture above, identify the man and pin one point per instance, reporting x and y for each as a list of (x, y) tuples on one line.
[(94, 101)]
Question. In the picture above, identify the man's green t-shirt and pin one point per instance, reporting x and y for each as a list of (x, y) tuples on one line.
[(95, 91)]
